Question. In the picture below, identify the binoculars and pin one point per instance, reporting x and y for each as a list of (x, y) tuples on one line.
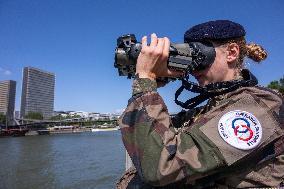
[(186, 57)]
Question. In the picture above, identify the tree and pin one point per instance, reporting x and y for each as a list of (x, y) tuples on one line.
[(60, 117), (34, 115), (2, 119), (57, 117), (277, 85)]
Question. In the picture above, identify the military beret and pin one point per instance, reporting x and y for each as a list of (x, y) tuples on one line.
[(214, 30)]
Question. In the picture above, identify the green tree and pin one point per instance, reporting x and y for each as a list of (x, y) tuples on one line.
[(57, 117), (60, 117), (2, 119), (277, 85), (34, 115)]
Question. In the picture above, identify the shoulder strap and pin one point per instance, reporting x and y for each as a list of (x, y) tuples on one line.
[(213, 89)]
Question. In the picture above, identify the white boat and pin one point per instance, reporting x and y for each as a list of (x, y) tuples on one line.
[(105, 129), (61, 129)]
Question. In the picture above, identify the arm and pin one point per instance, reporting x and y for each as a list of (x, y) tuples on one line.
[(161, 155)]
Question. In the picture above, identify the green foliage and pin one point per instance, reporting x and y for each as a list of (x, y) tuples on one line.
[(34, 115), (87, 123), (2, 119), (74, 116), (60, 117), (56, 118), (277, 85)]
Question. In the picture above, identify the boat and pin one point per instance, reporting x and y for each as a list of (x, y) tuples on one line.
[(98, 129), (31, 133), (18, 132), (4, 132), (43, 132), (13, 132), (61, 129)]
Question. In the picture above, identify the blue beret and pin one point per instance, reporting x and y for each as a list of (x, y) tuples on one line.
[(214, 30)]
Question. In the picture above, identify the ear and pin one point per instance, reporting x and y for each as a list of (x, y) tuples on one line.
[(233, 51)]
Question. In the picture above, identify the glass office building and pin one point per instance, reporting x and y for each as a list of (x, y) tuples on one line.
[(37, 92)]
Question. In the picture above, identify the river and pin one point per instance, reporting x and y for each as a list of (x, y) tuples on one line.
[(69, 161)]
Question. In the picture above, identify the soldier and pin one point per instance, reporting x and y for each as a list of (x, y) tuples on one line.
[(234, 141)]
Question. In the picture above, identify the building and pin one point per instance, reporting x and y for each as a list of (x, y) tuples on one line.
[(17, 114), (93, 116), (37, 92), (7, 99), (82, 114)]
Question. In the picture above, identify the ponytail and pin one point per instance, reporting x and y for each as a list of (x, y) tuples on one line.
[(256, 52)]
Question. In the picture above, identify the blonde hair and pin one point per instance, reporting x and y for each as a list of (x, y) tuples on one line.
[(256, 52), (252, 50)]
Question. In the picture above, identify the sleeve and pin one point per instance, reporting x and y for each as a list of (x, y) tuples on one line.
[(161, 155)]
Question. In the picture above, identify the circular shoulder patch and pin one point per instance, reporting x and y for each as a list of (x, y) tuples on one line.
[(240, 129)]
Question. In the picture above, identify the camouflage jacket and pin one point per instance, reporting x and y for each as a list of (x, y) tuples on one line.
[(195, 155)]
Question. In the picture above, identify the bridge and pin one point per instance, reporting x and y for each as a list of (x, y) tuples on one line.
[(34, 124)]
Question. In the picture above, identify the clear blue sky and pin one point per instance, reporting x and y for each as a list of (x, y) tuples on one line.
[(75, 39)]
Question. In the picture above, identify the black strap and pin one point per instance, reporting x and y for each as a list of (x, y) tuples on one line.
[(212, 90)]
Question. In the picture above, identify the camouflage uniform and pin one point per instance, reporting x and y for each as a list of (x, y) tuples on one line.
[(186, 151)]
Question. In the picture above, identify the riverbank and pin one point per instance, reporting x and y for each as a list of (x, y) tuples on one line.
[(56, 130), (70, 129)]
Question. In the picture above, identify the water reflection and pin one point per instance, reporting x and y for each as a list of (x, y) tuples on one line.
[(85, 160)]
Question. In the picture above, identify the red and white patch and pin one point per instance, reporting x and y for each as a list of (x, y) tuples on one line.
[(240, 129)]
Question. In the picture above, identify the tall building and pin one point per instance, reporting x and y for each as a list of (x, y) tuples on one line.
[(37, 92), (7, 99)]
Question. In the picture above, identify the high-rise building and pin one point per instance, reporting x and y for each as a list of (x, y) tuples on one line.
[(7, 99), (37, 92)]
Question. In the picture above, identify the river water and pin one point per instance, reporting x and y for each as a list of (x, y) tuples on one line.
[(69, 161)]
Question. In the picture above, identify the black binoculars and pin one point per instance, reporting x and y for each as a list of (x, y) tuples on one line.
[(186, 57)]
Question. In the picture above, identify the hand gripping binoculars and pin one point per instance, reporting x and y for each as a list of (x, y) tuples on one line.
[(186, 57)]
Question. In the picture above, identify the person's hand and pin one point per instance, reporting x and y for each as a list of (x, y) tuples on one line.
[(152, 60)]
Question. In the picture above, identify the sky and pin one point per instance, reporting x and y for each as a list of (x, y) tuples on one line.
[(76, 39)]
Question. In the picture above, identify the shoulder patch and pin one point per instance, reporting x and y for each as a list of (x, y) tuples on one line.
[(240, 129)]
